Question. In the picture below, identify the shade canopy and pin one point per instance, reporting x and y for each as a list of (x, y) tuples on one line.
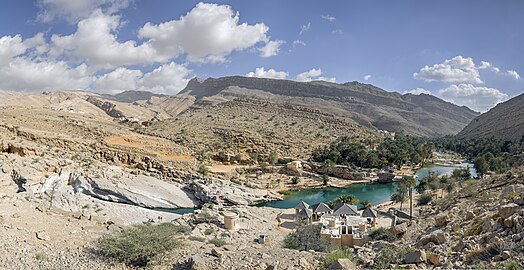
[(302, 205), (344, 209)]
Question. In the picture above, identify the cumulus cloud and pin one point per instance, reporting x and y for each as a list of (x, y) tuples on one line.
[(417, 91), (271, 48), (488, 65), (166, 79), (304, 28), (95, 42), (207, 33), (299, 42), (477, 98), (328, 17), (456, 70), (270, 73), (313, 75), (73, 11), (28, 75), (513, 74), (367, 77)]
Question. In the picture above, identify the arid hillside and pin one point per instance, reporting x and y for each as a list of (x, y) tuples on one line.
[(505, 121), (365, 104)]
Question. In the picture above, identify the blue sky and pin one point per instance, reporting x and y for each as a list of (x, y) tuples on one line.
[(467, 52)]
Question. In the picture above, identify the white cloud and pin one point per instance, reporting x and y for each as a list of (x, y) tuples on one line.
[(271, 48), (299, 42), (11, 47), (488, 65), (166, 79), (477, 98), (304, 28), (208, 33), (73, 11), (455, 70), (270, 73), (95, 42), (27, 75), (418, 91), (367, 77), (513, 74), (328, 17), (313, 75), (337, 32)]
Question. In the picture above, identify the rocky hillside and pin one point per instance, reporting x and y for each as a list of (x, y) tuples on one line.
[(366, 104), (505, 121)]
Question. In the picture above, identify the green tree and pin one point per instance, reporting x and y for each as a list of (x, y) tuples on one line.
[(349, 199), (325, 179), (273, 158), (365, 204), (295, 180), (481, 166), (409, 183)]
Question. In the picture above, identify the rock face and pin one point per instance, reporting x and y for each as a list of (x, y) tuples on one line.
[(140, 190), (507, 210), (212, 190), (368, 105), (436, 237), (341, 171), (505, 121), (415, 257), (342, 264)]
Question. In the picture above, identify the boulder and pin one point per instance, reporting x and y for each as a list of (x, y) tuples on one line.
[(437, 237), (43, 236), (295, 166), (434, 259), (215, 252), (342, 264), (507, 210), (198, 263), (441, 220), (415, 257), (399, 229)]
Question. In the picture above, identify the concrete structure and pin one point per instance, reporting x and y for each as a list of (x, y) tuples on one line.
[(347, 231), (371, 215), (231, 221)]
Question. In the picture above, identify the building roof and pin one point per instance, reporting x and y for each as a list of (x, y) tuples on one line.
[(345, 209), (368, 212), (321, 208), (305, 213), (302, 205)]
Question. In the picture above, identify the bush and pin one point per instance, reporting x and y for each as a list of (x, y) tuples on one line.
[(139, 245), (205, 217), (388, 255), (295, 180), (334, 256), (209, 231), (306, 238), (197, 238), (217, 242), (424, 199), (382, 234), (203, 170)]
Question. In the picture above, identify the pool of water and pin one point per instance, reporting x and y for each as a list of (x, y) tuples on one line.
[(374, 193)]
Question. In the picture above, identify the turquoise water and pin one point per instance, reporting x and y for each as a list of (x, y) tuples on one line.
[(374, 193)]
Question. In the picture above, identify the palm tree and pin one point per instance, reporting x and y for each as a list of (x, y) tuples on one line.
[(349, 199), (365, 204), (409, 182)]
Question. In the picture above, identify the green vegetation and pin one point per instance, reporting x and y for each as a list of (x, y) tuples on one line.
[(365, 204), (295, 180), (140, 245), (390, 152), (205, 217), (424, 199), (388, 255), (488, 154), (334, 256), (382, 234), (325, 179), (273, 158), (404, 188), (209, 231), (203, 170), (349, 199), (197, 238), (306, 238), (217, 242)]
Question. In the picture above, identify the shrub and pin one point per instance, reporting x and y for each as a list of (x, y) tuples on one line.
[(209, 231), (295, 180), (382, 234), (388, 255), (424, 199), (205, 217), (334, 256), (197, 238), (513, 265), (139, 245), (203, 170), (325, 179), (217, 242), (306, 238)]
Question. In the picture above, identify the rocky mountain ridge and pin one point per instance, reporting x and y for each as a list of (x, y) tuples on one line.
[(504, 121)]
